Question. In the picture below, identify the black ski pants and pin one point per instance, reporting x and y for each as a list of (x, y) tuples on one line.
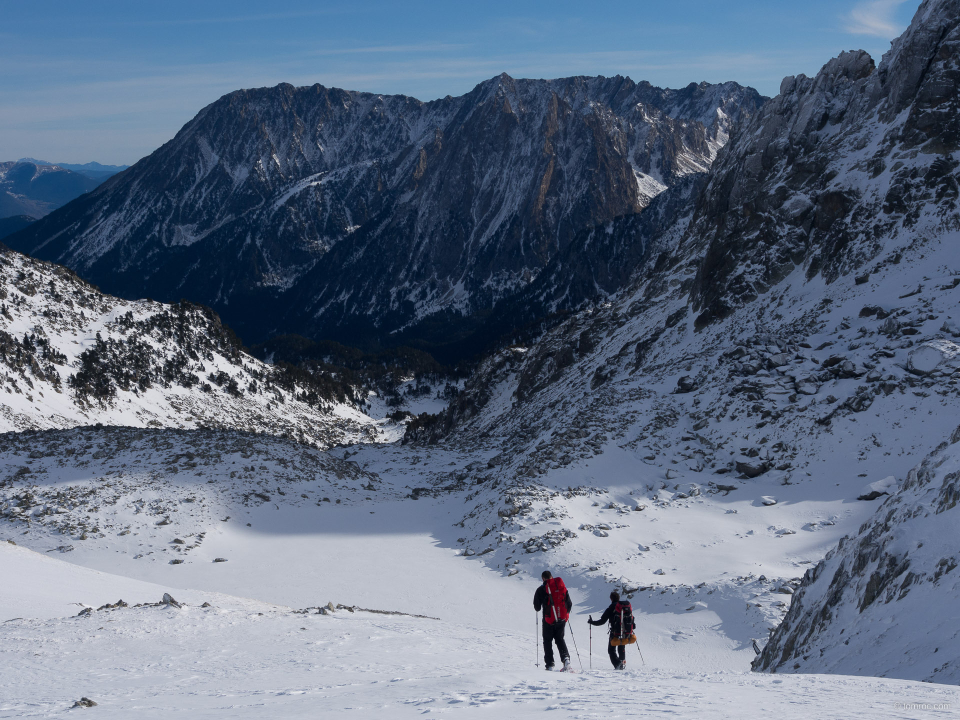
[(553, 633), (617, 650)]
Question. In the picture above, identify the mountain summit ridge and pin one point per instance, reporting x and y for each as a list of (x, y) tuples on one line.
[(340, 209)]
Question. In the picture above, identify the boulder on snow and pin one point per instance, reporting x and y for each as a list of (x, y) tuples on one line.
[(951, 327), (168, 600), (768, 500), (686, 384), (84, 702), (671, 474), (806, 386), (890, 326), (752, 467), (929, 356), (878, 488), (779, 359)]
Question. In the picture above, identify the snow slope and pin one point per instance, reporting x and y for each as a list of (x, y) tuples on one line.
[(70, 355), (243, 658), (878, 603)]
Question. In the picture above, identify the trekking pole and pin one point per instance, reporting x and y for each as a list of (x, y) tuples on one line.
[(575, 647), (591, 644), (641, 654), (536, 650)]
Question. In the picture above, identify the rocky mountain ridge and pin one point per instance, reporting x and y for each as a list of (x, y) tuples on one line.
[(776, 341), (70, 356), (836, 171), (354, 213)]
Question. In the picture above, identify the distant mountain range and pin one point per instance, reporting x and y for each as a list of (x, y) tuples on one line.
[(92, 170), (352, 216), (31, 189)]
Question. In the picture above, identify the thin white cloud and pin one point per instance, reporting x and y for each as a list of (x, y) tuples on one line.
[(874, 17), (383, 49)]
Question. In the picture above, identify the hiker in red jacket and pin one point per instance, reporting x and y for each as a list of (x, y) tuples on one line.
[(553, 597), (622, 626)]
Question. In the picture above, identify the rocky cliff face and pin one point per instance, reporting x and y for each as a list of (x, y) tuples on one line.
[(604, 259), (884, 602), (327, 207), (837, 170)]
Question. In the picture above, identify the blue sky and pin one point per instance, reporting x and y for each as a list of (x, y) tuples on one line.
[(112, 81)]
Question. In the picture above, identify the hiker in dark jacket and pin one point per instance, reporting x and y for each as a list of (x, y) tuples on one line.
[(554, 619), (617, 615)]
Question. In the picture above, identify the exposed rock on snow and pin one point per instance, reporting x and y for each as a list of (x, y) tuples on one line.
[(70, 355), (933, 355), (168, 600), (752, 467), (876, 489), (883, 602)]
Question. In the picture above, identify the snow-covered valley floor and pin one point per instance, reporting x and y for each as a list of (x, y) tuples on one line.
[(243, 658), (251, 654)]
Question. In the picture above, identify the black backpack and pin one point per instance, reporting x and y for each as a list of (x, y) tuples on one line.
[(621, 622)]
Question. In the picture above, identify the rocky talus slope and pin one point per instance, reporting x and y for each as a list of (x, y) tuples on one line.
[(149, 484)]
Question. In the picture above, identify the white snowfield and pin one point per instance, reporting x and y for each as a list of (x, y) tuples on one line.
[(240, 658)]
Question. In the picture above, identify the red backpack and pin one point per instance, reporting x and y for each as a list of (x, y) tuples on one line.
[(556, 608), (622, 624)]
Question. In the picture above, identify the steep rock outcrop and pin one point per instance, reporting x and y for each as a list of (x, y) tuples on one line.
[(837, 170), (884, 602)]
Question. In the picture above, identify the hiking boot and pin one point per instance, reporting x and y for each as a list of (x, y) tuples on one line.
[(622, 665), (566, 664), (549, 668)]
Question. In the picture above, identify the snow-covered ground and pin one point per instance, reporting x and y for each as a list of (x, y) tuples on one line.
[(372, 545), (70, 355), (242, 657)]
